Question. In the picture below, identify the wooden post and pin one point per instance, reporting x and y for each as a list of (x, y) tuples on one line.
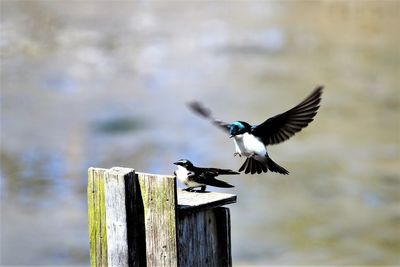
[(139, 219), (97, 218), (204, 229), (159, 201)]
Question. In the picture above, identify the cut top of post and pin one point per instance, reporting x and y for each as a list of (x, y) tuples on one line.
[(193, 201)]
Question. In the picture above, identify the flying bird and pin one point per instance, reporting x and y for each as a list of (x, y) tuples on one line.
[(193, 176), (251, 141)]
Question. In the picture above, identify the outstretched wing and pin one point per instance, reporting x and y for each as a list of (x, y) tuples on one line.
[(198, 108), (283, 126)]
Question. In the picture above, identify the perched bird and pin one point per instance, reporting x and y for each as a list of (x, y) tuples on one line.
[(193, 176), (251, 140)]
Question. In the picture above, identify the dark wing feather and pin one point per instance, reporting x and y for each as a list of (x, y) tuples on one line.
[(215, 171), (206, 113), (221, 171), (283, 126), (207, 176), (209, 179)]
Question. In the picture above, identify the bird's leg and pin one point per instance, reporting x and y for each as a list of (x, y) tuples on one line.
[(237, 154), (252, 155), (203, 188)]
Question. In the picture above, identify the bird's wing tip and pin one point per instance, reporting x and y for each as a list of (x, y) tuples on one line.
[(197, 107), (319, 88)]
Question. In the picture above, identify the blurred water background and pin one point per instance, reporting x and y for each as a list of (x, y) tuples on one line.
[(104, 84)]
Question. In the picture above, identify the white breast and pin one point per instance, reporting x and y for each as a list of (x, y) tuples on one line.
[(247, 144), (182, 174)]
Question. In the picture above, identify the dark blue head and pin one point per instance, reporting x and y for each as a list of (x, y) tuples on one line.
[(239, 127), (184, 163)]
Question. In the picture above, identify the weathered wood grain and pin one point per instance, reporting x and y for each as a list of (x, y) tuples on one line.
[(116, 217), (159, 202), (204, 238), (193, 201), (223, 227), (97, 217), (117, 237)]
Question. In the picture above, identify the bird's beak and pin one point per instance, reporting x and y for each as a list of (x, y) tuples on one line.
[(231, 136), (176, 163)]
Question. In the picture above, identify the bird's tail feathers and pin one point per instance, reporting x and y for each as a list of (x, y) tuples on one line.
[(253, 166), (273, 167)]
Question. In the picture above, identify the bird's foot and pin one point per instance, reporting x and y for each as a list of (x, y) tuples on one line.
[(203, 188), (237, 154)]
